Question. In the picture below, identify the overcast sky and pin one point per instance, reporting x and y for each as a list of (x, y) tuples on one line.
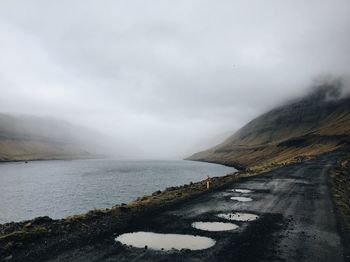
[(170, 77)]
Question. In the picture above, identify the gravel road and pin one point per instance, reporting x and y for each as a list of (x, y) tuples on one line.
[(297, 222)]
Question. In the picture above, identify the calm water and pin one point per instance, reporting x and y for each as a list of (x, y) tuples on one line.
[(61, 188)]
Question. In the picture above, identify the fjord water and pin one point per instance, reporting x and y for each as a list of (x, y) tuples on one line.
[(61, 188)]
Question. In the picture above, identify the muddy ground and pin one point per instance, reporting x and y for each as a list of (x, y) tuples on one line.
[(298, 222)]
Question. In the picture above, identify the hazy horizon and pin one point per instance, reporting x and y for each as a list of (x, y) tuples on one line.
[(170, 78)]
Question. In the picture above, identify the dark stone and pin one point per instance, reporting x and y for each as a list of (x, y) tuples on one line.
[(156, 193), (40, 220)]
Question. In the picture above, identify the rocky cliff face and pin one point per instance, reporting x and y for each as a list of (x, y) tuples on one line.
[(317, 123)]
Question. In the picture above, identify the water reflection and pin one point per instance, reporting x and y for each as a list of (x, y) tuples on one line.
[(238, 216), (243, 191), (214, 226), (242, 199), (165, 242)]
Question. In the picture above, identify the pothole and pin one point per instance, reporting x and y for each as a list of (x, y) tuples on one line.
[(166, 242), (243, 191), (214, 226), (242, 199), (238, 216)]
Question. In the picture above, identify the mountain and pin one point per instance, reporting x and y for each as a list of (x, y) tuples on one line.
[(24, 137), (312, 125)]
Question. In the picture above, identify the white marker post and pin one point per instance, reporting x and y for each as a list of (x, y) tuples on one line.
[(208, 182)]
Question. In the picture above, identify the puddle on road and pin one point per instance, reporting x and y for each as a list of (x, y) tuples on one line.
[(166, 242), (238, 216), (214, 226), (243, 191), (242, 199)]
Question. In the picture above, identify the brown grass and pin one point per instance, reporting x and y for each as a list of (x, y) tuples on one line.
[(21, 150)]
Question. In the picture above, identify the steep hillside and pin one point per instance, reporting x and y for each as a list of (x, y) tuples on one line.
[(317, 123), (31, 138)]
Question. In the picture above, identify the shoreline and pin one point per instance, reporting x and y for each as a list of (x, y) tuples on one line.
[(48, 159), (215, 182), (237, 166), (54, 205), (43, 235)]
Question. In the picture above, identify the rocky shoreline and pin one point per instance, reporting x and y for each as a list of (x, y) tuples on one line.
[(43, 237), (28, 240)]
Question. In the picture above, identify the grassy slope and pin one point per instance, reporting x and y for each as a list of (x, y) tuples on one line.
[(16, 150), (25, 137), (303, 129)]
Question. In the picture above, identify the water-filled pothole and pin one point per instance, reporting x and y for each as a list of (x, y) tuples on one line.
[(214, 226), (242, 199), (165, 242), (243, 191), (238, 216)]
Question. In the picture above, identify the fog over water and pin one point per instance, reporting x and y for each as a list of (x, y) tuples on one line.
[(166, 78)]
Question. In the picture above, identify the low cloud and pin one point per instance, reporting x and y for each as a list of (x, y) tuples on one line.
[(170, 75)]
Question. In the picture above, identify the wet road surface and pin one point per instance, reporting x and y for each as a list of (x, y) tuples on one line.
[(297, 222)]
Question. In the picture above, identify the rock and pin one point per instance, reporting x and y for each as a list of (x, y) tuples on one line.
[(8, 258), (156, 193), (40, 220), (9, 245), (29, 224), (124, 209)]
